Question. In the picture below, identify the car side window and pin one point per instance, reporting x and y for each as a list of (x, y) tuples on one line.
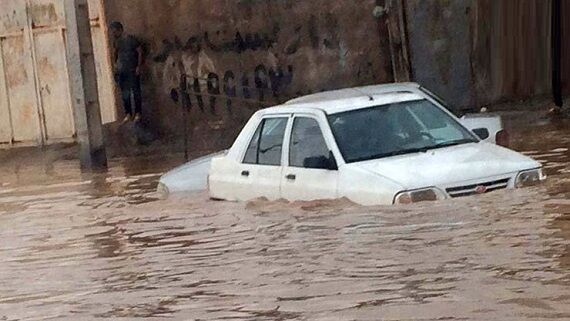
[(266, 146), (308, 148)]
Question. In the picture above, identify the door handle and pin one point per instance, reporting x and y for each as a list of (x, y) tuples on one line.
[(291, 177), (245, 173)]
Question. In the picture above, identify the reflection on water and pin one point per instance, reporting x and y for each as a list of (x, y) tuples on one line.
[(102, 246)]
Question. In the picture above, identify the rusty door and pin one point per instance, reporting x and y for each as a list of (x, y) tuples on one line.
[(19, 113), (47, 22), (35, 106)]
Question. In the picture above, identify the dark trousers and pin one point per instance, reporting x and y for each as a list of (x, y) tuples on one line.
[(130, 84)]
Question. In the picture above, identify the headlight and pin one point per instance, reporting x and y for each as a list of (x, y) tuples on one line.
[(162, 190), (423, 195), (529, 178)]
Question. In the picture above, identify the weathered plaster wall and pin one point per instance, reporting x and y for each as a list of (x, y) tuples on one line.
[(512, 49), (439, 40), (242, 55), (479, 52)]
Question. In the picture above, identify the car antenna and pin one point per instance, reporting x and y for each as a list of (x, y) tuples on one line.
[(365, 93)]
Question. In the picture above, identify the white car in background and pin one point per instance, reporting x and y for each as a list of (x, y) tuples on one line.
[(375, 145)]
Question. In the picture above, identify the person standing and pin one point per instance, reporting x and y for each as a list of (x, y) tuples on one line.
[(128, 62)]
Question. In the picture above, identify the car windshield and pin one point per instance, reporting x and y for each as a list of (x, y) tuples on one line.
[(396, 129)]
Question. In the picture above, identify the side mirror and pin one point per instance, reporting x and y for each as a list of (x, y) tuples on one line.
[(321, 162), (333, 165), (482, 133)]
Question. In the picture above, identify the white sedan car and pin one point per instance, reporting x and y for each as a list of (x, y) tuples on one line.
[(376, 145)]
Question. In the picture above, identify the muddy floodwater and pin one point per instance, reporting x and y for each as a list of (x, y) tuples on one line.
[(103, 246)]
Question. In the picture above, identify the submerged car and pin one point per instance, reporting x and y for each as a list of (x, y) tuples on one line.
[(375, 145)]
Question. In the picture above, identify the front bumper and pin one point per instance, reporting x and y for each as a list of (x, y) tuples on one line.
[(476, 187)]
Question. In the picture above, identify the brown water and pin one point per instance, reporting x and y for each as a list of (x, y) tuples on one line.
[(102, 246)]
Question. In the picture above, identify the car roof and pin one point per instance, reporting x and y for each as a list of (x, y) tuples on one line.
[(337, 101)]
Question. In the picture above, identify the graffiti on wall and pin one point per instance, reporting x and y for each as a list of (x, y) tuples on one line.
[(325, 35), (197, 72), (238, 44), (262, 86)]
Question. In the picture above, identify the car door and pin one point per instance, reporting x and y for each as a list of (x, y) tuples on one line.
[(306, 175), (259, 173)]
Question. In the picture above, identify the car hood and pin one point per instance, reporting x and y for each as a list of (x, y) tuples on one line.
[(446, 166)]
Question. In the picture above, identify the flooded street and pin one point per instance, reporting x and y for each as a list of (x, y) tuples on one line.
[(103, 246)]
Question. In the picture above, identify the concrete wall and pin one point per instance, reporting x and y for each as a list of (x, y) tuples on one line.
[(479, 52), (440, 42), (511, 49), (242, 55), (249, 54)]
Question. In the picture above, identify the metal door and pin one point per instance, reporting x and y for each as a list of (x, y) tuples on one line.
[(35, 106), (19, 113), (47, 22)]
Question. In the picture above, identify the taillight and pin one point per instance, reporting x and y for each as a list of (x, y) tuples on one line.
[(503, 138)]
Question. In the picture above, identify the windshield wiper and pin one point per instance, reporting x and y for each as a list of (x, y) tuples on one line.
[(415, 150), (452, 143), (390, 154)]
